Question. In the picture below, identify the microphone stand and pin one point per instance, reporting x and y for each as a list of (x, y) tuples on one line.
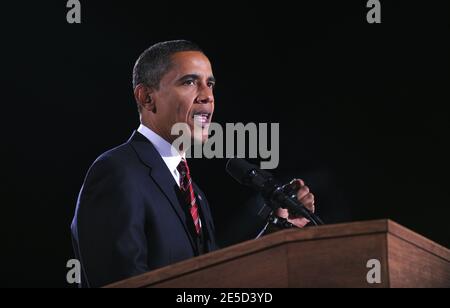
[(273, 219)]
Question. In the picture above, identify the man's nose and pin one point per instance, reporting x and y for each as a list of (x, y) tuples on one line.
[(207, 99), (205, 96)]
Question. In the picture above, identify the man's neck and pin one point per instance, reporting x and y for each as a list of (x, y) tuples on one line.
[(158, 132)]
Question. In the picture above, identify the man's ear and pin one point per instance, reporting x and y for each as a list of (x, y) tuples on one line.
[(143, 95)]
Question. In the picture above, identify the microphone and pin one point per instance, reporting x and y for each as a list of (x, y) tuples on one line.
[(273, 191)]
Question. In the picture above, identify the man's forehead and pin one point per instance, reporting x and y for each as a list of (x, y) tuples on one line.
[(189, 63), (190, 59)]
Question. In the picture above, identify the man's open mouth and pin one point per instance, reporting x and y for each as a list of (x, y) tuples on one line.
[(202, 117)]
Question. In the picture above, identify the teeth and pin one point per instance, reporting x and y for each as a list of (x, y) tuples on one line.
[(201, 117)]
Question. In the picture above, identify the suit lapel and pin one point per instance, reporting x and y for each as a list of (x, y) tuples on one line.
[(161, 176)]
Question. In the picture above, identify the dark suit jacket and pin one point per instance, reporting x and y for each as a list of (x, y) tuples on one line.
[(129, 218)]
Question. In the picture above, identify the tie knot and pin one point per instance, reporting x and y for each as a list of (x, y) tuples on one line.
[(185, 176), (183, 168)]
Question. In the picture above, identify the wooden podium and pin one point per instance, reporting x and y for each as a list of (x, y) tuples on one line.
[(326, 256)]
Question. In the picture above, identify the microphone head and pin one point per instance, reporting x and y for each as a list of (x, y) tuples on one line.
[(239, 169)]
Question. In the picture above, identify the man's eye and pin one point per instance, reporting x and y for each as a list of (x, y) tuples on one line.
[(211, 84), (189, 82)]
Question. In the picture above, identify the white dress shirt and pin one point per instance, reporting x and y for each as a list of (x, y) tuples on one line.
[(169, 154)]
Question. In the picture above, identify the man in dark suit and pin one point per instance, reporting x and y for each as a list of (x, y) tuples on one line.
[(138, 208)]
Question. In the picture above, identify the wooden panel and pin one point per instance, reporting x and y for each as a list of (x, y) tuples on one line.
[(265, 269), (253, 247), (418, 240), (412, 266), (203, 262), (337, 262)]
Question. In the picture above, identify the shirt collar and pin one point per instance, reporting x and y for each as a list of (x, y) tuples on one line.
[(169, 154)]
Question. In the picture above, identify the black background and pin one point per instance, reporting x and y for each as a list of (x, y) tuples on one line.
[(362, 109)]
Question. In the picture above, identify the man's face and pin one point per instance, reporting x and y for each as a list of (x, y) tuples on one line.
[(185, 95)]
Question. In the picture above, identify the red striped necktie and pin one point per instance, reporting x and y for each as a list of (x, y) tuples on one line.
[(188, 193)]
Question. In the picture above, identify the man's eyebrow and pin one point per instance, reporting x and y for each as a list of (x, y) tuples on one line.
[(189, 76), (195, 77)]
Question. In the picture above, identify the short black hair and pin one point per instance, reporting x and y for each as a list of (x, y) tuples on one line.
[(156, 61)]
